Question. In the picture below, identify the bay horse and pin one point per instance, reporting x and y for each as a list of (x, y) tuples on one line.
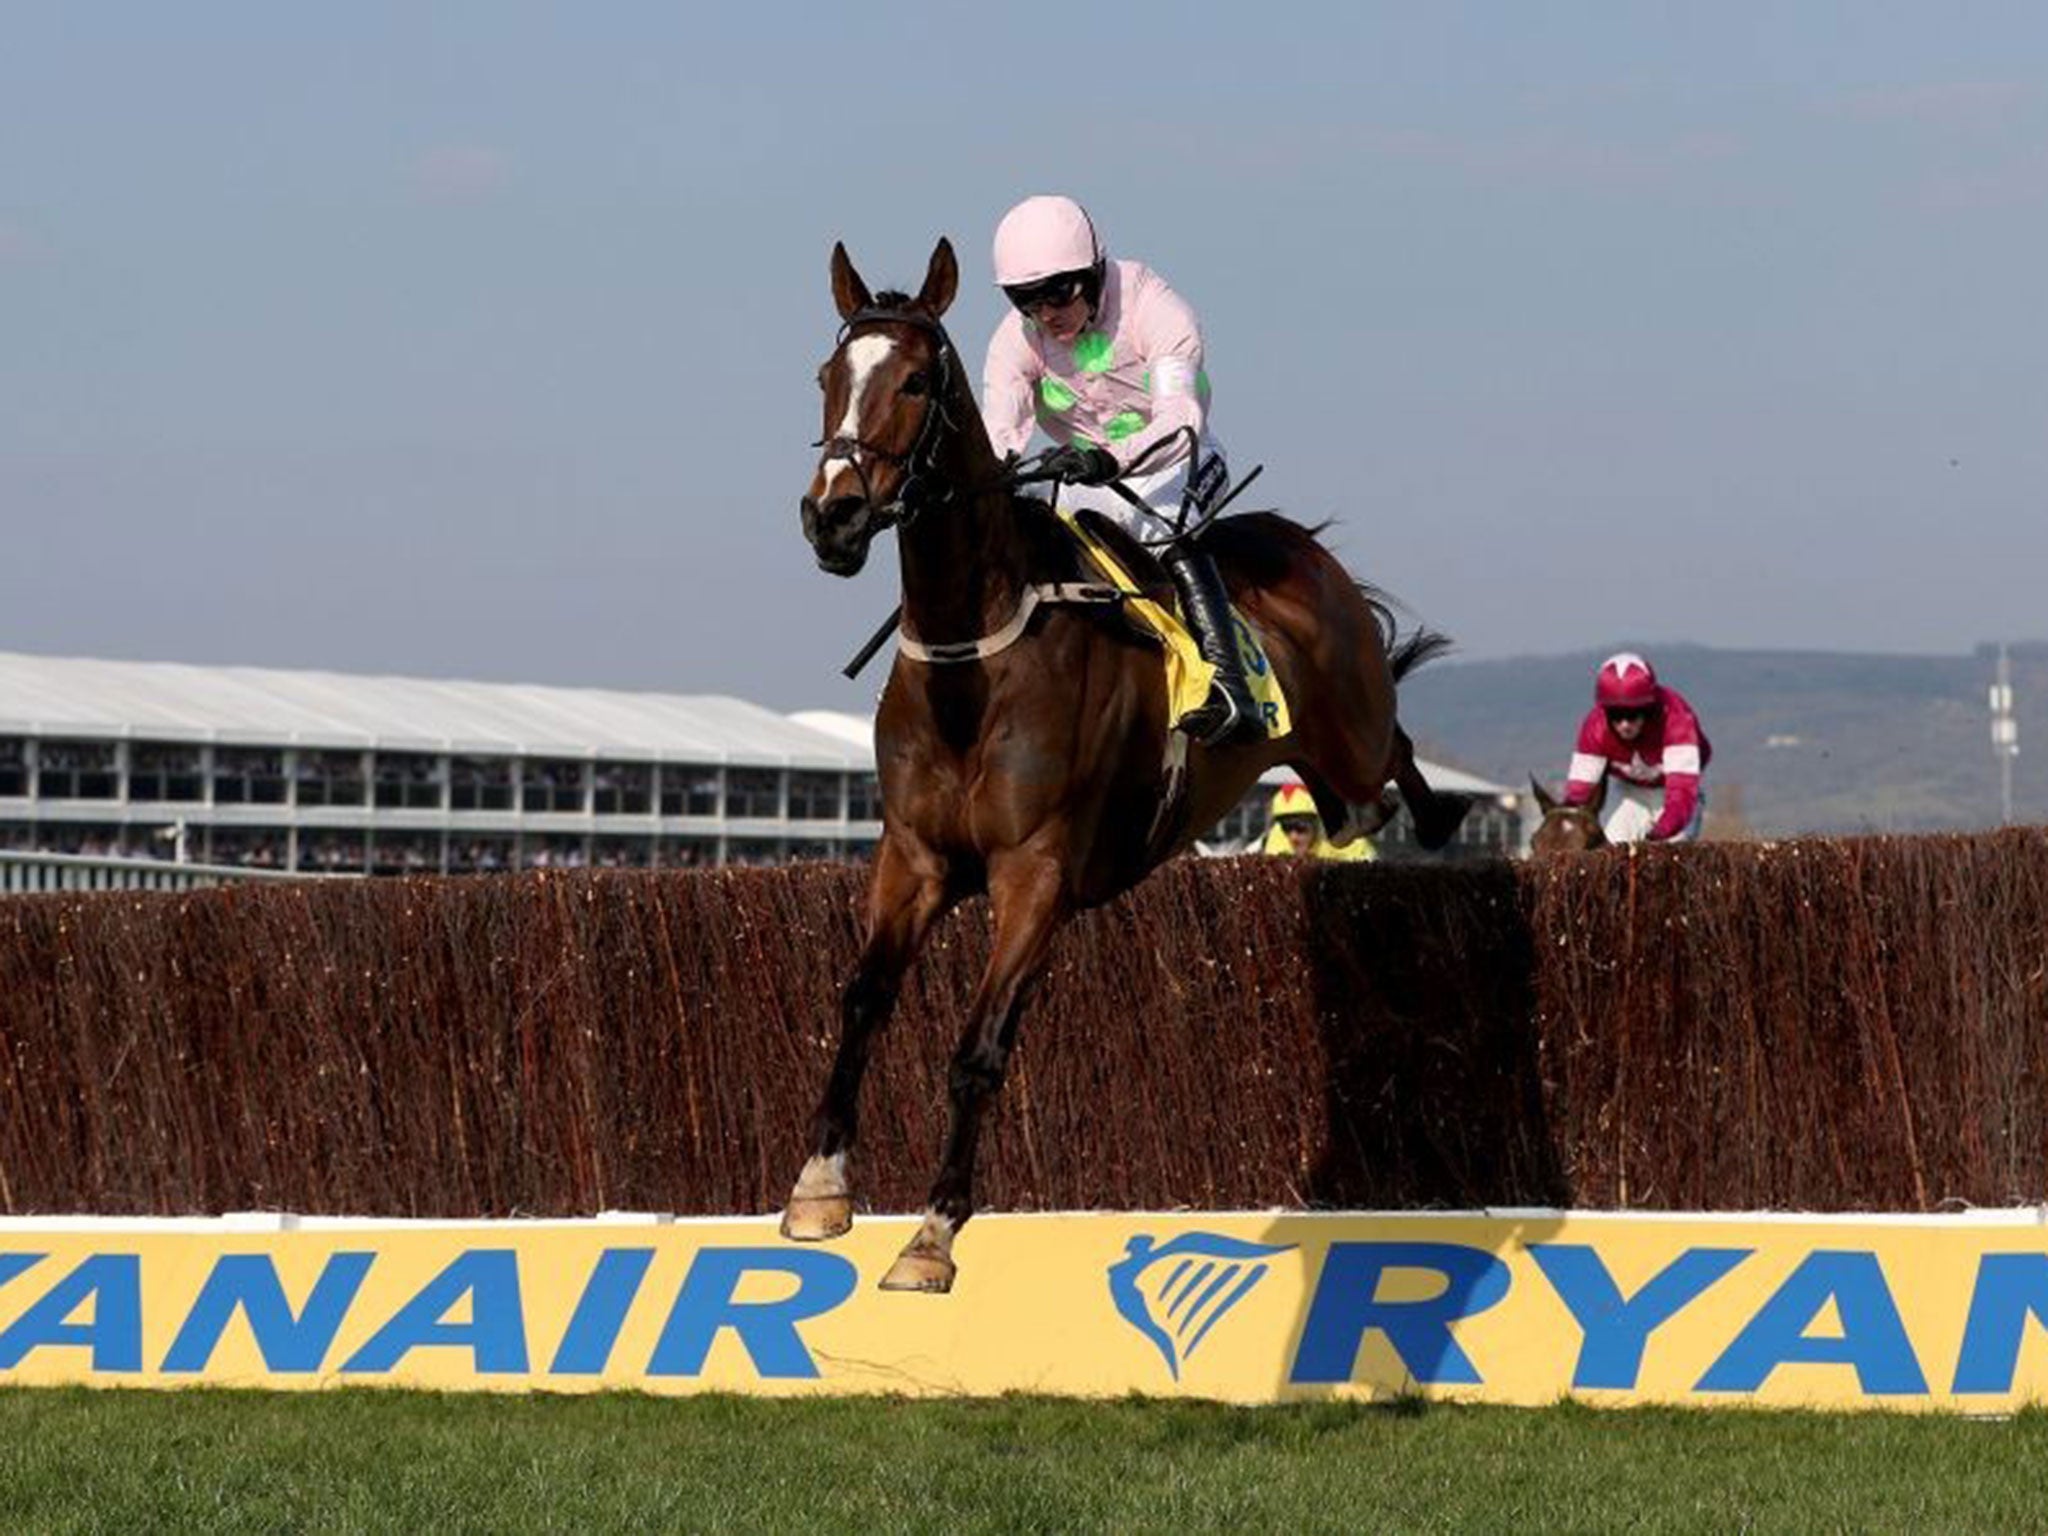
[(1564, 828), (1027, 754)]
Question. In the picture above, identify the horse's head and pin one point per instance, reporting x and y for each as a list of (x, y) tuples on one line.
[(1565, 828), (885, 387)]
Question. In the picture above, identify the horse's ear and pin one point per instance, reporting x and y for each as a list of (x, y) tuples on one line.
[(849, 293), (941, 279), (1543, 800)]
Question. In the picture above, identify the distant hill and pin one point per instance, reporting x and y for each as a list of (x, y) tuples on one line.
[(1804, 741)]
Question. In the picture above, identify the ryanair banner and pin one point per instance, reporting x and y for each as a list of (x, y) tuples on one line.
[(1524, 1307)]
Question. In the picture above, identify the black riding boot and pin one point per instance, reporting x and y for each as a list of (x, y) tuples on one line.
[(1229, 713)]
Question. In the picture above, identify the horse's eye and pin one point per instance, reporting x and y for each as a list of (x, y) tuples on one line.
[(916, 384)]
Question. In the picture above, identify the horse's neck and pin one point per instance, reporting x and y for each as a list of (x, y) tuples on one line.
[(964, 568)]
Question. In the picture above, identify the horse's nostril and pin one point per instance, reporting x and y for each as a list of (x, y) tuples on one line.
[(831, 517)]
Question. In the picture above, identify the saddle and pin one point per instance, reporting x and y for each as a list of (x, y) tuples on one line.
[(1148, 608)]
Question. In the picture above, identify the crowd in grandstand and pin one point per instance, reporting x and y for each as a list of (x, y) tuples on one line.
[(396, 852)]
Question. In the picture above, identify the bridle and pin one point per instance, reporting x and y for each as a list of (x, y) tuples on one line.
[(921, 485)]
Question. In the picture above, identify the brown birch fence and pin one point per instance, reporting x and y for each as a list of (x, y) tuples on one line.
[(1844, 1024)]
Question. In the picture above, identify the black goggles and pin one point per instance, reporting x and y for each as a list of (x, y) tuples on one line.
[(1620, 712), (1055, 292)]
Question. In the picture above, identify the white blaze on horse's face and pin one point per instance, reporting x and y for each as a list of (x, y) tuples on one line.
[(864, 358)]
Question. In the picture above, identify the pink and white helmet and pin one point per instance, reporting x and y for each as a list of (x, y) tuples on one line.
[(1042, 237), (1625, 681)]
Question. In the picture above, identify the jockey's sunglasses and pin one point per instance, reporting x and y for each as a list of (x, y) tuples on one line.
[(1620, 712), (1055, 292)]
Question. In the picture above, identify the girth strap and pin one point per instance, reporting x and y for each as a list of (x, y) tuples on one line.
[(1010, 633)]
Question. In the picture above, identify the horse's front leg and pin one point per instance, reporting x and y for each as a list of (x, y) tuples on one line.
[(1028, 895), (907, 892)]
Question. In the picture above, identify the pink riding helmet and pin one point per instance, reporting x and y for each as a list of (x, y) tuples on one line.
[(1042, 237), (1625, 681)]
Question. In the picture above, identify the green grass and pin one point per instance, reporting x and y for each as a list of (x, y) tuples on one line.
[(369, 1460)]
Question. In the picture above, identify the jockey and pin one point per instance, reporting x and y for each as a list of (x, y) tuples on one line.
[(1645, 740), (1108, 361), (1296, 829)]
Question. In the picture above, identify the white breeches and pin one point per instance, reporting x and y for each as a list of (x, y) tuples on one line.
[(1630, 810)]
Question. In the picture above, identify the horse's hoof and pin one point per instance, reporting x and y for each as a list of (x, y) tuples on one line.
[(1365, 820), (919, 1269), (817, 1218)]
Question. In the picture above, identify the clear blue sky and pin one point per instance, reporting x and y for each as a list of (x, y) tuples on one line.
[(477, 339)]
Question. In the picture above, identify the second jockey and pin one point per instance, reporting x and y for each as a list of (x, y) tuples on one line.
[(1295, 829), (1645, 742), (1107, 360)]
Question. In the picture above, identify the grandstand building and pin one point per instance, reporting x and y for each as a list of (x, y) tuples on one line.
[(324, 773)]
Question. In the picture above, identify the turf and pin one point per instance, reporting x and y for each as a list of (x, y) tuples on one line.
[(372, 1460)]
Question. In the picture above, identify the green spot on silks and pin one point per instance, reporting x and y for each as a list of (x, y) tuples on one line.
[(1122, 425), (1055, 395), (1092, 351)]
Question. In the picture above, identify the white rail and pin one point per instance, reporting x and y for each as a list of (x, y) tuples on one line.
[(31, 872)]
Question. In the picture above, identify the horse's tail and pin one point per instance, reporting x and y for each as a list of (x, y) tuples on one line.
[(1404, 652), (1411, 651)]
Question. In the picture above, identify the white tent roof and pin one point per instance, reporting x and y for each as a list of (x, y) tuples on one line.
[(855, 730), (49, 695)]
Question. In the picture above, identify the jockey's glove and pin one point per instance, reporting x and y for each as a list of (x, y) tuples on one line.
[(1083, 464)]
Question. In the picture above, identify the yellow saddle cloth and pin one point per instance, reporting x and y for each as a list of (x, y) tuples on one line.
[(1188, 675)]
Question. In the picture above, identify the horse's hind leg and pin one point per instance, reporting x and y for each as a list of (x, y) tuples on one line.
[(1437, 816), (907, 891), (1341, 692), (1346, 820), (1027, 892)]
